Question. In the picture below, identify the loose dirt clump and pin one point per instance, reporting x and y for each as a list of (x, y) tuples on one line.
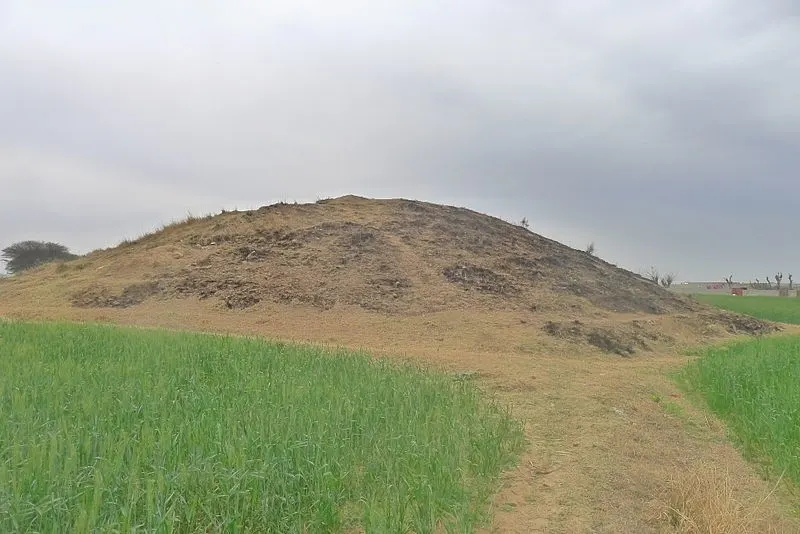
[(743, 324), (480, 278), (624, 339), (236, 293), (101, 297)]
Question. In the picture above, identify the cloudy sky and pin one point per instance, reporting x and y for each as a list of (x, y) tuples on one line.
[(666, 132)]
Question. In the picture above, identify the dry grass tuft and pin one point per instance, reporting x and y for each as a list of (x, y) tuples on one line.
[(706, 501)]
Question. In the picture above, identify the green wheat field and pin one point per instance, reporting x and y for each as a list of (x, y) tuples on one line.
[(121, 430), (754, 386), (778, 309)]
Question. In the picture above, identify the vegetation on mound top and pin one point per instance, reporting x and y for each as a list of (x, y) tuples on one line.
[(117, 429)]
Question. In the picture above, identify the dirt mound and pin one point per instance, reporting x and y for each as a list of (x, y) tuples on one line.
[(391, 257), (394, 256)]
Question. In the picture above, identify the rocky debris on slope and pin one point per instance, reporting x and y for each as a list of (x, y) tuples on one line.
[(96, 296), (743, 324), (624, 339), (480, 278)]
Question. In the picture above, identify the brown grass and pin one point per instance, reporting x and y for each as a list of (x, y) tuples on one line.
[(613, 445), (706, 501)]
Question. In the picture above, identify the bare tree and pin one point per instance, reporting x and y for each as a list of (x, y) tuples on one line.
[(667, 280), (653, 275), (590, 248), (790, 282), (778, 278), (525, 223), (729, 280), (769, 283)]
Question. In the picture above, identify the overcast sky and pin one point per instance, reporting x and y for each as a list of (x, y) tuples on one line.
[(666, 132)]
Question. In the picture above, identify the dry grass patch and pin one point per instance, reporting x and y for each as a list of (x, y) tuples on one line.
[(706, 501)]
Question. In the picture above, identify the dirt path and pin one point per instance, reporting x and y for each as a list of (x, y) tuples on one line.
[(613, 443)]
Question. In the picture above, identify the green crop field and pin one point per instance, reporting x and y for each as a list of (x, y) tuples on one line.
[(122, 430), (755, 387), (779, 309)]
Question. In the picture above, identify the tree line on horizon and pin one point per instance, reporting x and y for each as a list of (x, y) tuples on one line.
[(758, 284)]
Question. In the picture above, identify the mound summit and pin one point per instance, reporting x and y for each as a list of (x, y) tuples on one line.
[(387, 257)]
